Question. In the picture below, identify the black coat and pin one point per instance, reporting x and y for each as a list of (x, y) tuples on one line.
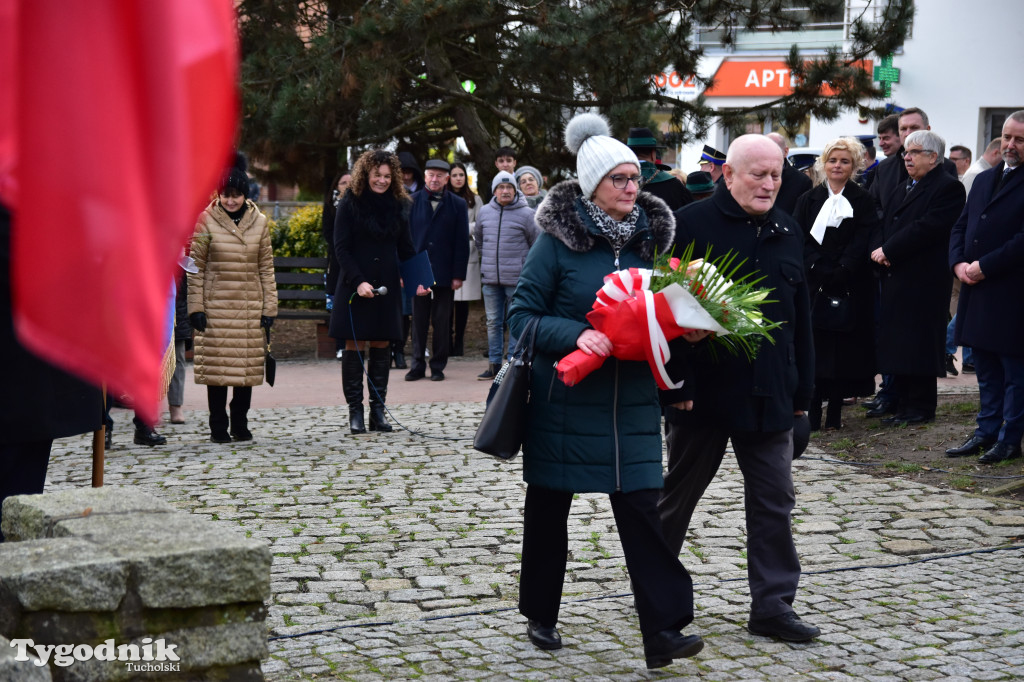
[(37, 400), (914, 235), (730, 391), (844, 361), (794, 185), (182, 327), (891, 179), (443, 234), (990, 230), (371, 237)]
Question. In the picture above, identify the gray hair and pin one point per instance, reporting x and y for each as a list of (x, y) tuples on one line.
[(929, 141), (1017, 116)]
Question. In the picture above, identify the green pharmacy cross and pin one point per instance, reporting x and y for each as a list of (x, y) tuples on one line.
[(887, 74)]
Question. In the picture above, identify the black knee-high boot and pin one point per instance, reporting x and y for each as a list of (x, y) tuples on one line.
[(352, 386), (398, 347), (378, 369)]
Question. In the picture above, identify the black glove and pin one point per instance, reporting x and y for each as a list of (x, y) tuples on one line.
[(266, 322), (198, 321)]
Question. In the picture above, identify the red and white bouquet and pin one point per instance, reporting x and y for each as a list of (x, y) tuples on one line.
[(641, 310)]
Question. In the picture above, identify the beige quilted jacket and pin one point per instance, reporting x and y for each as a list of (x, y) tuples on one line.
[(234, 287)]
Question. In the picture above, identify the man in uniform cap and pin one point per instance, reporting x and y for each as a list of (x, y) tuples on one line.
[(711, 162), (656, 181)]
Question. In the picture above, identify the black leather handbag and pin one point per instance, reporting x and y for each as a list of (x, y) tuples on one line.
[(270, 362), (503, 427), (833, 313)]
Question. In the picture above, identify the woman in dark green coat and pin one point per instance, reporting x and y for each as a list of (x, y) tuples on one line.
[(604, 434)]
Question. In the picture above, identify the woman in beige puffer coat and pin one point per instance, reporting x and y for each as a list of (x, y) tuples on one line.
[(230, 300)]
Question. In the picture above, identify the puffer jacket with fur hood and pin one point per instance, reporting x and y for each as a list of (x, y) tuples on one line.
[(234, 287), (604, 434)]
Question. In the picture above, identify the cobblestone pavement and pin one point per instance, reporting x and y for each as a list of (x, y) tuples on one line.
[(396, 557)]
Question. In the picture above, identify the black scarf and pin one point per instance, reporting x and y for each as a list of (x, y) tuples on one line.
[(380, 212)]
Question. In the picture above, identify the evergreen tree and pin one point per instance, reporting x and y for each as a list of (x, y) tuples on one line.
[(319, 78)]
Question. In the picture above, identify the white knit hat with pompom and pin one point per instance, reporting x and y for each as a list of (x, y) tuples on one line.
[(588, 136)]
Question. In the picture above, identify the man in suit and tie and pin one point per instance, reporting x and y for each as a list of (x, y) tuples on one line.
[(439, 224), (986, 253)]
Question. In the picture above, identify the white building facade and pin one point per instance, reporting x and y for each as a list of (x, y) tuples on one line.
[(962, 65)]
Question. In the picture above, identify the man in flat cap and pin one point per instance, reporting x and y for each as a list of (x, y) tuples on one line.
[(439, 224), (656, 181)]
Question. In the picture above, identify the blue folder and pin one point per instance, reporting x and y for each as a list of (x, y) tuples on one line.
[(416, 271)]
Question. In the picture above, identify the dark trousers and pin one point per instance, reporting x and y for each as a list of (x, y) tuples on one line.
[(694, 454), (662, 588), (22, 469), (916, 396), (432, 311), (217, 398), (1001, 390)]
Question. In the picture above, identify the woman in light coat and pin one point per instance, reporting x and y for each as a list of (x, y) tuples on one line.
[(231, 300), (458, 184)]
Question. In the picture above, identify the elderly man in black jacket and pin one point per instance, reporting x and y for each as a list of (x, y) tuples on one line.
[(910, 248), (986, 253), (439, 224), (753, 403)]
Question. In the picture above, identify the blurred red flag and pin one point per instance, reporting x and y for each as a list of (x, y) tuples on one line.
[(125, 114)]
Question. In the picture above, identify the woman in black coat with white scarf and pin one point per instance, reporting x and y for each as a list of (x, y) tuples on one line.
[(838, 218), (371, 237)]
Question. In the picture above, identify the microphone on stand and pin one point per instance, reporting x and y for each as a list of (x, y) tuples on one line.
[(380, 291)]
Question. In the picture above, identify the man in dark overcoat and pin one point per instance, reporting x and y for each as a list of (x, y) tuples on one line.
[(753, 403), (986, 253), (439, 224), (911, 249), (891, 174), (794, 183)]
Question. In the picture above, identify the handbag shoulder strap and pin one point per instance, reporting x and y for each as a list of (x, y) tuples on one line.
[(524, 346)]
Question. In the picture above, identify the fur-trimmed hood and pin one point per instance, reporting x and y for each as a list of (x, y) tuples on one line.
[(558, 216)]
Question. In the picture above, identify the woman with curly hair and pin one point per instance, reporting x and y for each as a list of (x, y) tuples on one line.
[(371, 237)]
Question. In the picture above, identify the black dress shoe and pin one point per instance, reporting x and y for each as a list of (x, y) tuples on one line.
[(437, 375), (914, 419), (968, 368), (785, 626), (414, 375), (1000, 452), (661, 648), (543, 637), (241, 433), (895, 420), (148, 437), (975, 445), (882, 409), (871, 404)]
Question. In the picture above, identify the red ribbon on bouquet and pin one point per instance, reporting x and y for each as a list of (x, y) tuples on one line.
[(638, 322)]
